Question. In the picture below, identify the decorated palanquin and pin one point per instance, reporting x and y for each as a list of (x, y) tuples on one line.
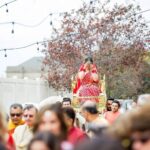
[(99, 99)]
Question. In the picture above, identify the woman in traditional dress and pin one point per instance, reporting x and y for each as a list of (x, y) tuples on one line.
[(88, 82)]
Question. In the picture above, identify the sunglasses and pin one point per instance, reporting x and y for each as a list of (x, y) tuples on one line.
[(143, 139), (17, 115), (30, 116)]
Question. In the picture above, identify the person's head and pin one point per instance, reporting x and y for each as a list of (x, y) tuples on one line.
[(89, 110), (140, 129), (66, 102), (143, 99), (89, 59), (16, 113), (30, 113), (109, 104), (140, 140), (43, 141), (115, 106), (69, 115), (88, 62), (50, 118)]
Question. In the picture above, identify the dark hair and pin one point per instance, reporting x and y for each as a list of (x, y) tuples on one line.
[(69, 111), (117, 102), (30, 106), (58, 103), (98, 130), (58, 111), (46, 137), (16, 105), (110, 99), (102, 142), (89, 59), (91, 109), (2, 146), (66, 99)]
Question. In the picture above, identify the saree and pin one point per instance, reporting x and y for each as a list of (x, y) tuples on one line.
[(87, 89)]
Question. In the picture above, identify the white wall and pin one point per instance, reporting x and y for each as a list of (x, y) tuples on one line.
[(23, 90), (21, 75)]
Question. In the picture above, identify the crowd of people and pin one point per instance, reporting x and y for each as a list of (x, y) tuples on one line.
[(60, 126)]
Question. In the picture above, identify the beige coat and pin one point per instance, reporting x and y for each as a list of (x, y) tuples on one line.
[(22, 136)]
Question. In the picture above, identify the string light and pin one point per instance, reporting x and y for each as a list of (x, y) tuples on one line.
[(28, 26), (6, 8), (38, 46), (6, 4), (45, 45), (5, 53), (26, 46), (51, 23), (12, 31), (35, 43), (45, 18)]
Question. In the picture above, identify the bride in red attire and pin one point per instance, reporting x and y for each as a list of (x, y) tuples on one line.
[(88, 82)]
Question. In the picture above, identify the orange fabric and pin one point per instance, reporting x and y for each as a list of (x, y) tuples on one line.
[(12, 126), (111, 117)]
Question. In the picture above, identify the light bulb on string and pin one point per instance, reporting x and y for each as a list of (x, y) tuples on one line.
[(51, 23), (44, 45), (38, 46), (44, 48), (6, 8), (12, 31), (5, 53)]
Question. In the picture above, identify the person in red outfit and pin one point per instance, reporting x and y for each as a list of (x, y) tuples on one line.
[(10, 143), (75, 134), (87, 86)]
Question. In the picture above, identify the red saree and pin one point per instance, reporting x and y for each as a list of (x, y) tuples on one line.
[(86, 88)]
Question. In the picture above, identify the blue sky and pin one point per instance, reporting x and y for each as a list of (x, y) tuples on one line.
[(31, 12)]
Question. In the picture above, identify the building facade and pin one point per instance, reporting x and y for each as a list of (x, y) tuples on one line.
[(24, 85)]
